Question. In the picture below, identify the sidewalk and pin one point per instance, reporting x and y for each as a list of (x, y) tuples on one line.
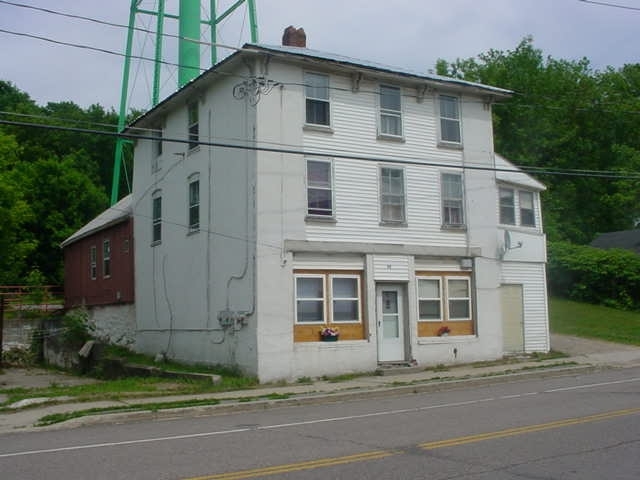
[(586, 355)]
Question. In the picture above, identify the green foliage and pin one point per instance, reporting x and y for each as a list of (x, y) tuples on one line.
[(565, 115), (75, 328), (588, 274), (51, 181), (594, 321)]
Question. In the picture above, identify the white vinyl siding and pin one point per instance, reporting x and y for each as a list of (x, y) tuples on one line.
[(354, 122), (357, 220), (533, 278)]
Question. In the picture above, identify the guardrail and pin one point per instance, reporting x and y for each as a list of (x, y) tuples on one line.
[(37, 298)]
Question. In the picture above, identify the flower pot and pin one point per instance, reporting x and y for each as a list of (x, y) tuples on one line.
[(329, 338)]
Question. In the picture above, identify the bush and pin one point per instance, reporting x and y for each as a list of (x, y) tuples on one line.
[(588, 274), (75, 328)]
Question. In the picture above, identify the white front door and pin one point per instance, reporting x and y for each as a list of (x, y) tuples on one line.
[(390, 323)]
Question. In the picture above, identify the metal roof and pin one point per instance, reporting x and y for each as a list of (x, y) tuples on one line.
[(509, 173), (354, 62), (112, 215)]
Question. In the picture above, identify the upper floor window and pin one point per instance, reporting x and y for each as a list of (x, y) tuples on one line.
[(319, 188), (507, 206), (527, 212), (392, 197), (390, 111), (452, 199), (517, 207), (317, 98), (449, 119), (93, 262), (156, 133), (193, 125), (106, 258), (156, 217), (194, 203)]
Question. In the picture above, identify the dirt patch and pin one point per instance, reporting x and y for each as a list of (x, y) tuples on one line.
[(38, 378), (576, 346)]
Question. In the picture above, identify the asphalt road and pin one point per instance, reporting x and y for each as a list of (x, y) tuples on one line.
[(583, 427)]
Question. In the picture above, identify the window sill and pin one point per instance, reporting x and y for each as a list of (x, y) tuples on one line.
[(320, 219), (391, 138), (317, 128), (193, 150), (390, 223), (450, 145), (193, 231), (156, 243), (454, 228), (447, 339), (519, 228)]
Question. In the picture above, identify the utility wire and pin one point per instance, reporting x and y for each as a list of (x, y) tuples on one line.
[(613, 5), (347, 156), (117, 25)]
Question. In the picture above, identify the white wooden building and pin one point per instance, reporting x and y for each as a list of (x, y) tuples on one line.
[(286, 190)]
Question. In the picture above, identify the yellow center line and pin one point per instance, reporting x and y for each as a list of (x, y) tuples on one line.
[(526, 429), (452, 442), (292, 467)]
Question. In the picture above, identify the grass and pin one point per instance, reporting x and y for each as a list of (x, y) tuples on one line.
[(594, 321), (152, 407)]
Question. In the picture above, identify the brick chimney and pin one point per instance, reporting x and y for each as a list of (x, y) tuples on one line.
[(294, 37)]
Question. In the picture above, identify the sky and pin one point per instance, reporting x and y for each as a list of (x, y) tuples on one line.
[(411, 34)]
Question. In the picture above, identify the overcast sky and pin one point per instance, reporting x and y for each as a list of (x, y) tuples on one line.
[(407, 33)]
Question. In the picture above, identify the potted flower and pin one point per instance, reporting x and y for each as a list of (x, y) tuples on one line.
[(443, 331), (328, 334)]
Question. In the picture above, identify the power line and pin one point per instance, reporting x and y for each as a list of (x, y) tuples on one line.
[(117, 25), (334, 154), (613, 5)]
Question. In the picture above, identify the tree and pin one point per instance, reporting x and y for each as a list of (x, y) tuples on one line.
[(565, 115)]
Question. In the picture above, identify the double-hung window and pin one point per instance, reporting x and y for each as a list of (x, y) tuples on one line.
[(319, 188), (390, 111), (444, 302), (328, 298), (392, 195), (106, 258), (310, 299), (459, 298), (156, 217), (317, 99), (527, 211), (507, 206), (517, 207), (452, 200), (194, 203), (193, 125), (93, 262), (450, 120), (430, 299)]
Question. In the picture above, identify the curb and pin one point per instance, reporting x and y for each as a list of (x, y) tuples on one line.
[(302, 399)]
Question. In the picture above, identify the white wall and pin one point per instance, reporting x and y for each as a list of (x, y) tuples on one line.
[(184, 282)]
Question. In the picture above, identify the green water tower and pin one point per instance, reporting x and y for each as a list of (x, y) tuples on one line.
[(190, 24)]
